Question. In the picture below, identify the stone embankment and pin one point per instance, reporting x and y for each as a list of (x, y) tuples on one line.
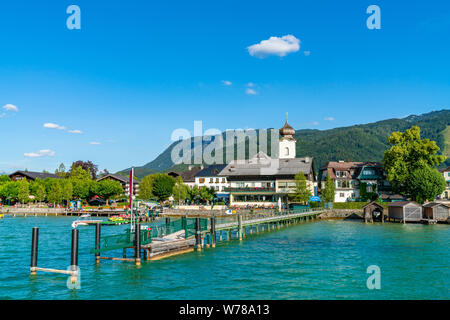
[(342, 214)]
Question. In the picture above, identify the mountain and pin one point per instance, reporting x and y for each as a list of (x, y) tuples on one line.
[(362, 142)]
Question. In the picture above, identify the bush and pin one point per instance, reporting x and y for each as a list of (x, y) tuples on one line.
[(353, 205)]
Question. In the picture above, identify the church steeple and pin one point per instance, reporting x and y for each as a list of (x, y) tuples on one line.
[(287, 143)]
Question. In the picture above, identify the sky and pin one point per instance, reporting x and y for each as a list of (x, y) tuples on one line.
[(114, 91)]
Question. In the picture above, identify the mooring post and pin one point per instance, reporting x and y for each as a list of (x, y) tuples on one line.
[(97, 242), (74, 256), (138, 243), (213, 231), (167, 225), (34, 250), (240, 226), (198, 236)]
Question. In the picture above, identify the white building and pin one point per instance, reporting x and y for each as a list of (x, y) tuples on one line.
[(264, 181), (354, 180)]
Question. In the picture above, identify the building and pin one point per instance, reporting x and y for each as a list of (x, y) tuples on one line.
[(187, 176), (31, 176), (209, 177), (264, 181), (436, 211), (124, 181), (354, 180), (446, 173), (405, 211)]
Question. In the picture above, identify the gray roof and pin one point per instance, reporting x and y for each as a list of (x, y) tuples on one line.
[(402, 203), (434, 204), (262, 165), (211, 171), (36, 175), (117, 177)]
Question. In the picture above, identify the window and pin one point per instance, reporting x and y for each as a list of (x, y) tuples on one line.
[(211, 180), (202, 180), (369, 172), (223, 180), (342, 195), (286, 151), (341, 174), (217, 180)]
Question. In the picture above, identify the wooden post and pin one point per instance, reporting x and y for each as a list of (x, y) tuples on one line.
[(34, 250), (167, 225), (97, 242), (198, 236), (240, 227), (207, 239), (213, 231), (138, 243), (74, 255)]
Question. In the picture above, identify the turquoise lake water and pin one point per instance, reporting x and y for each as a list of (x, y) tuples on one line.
[(315, 260)]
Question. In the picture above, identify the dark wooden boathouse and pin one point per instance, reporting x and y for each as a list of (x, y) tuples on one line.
[(373, 211)]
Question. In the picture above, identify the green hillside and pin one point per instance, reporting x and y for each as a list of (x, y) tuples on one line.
[(366, 142)]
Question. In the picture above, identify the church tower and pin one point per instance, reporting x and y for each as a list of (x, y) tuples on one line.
[(287, 142)]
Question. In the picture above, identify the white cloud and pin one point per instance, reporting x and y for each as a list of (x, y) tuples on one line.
[(10, 107), (307, 53), (76, 131), (250, 84), (315, 123), (54, 126), (94, 143), (275, 46), (41, 153), (2, 115), (250, 92), (329, 119), (227, 83)]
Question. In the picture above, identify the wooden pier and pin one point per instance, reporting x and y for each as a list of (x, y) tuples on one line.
[(249, 224), (243, 226), (196, 233)]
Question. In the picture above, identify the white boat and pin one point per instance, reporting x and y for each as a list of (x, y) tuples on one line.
[(87, 215)]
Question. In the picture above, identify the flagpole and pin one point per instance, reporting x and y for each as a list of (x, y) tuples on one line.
[(131, 187)]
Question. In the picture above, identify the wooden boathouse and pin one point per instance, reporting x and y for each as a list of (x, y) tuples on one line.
[(438, 212), (405, 211), (373, 211)]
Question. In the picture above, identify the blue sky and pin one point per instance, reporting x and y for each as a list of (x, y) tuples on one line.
[(137, 70)]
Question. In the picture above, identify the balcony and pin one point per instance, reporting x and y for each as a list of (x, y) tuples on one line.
[(249, 189)]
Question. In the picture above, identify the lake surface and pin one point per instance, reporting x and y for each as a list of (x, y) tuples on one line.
[(315, 260)]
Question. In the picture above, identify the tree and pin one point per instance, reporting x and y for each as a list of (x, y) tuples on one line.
[(61, 171), (207, 194), (193, 193), (79, 173), (24, 191), (163, 186), (10, 190), (4, 178), (146, 188), (179, 190), (425, 184), (56, 193), (302, 192), (108, 188), (329, 191), (408, 153), (88, 166), (67, 190), (82, 185), (40, 193)]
